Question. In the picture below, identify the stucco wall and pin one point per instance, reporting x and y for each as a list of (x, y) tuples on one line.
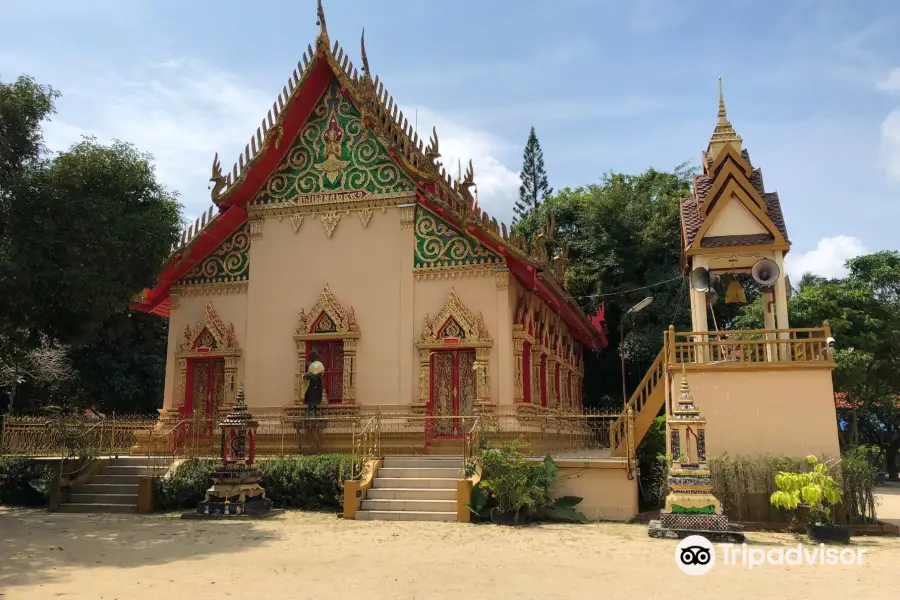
[(778, 412), (231, 308), (607, 492), (361, 265)]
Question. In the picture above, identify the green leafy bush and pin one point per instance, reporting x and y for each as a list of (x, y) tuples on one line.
[(651, 455), (302, 482), (23, 482), (186, 487), (307, 482), (515, 490), (815, 489)]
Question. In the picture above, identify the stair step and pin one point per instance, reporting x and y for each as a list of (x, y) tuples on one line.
[(405, 515), (410, 505), (134, 471), (410, 494), (116, 479), (437, 473), (107, 488), (418, 462), (103, 499), (414, 482), (98, 508)]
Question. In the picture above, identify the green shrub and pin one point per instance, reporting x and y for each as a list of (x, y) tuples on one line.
[(186, 487), (516, 490), (738, 481), (302, 482), (814, 488), (23, 482), (307, 482)]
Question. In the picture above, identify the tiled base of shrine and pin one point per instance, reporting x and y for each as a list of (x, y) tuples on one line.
[(686, 525)]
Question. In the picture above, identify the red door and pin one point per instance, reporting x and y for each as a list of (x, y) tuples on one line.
[(331, 354), (206, 390), (453, 390)]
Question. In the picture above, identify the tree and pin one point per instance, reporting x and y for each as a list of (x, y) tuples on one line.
[(534, 189), (48, 364), (80, 232)]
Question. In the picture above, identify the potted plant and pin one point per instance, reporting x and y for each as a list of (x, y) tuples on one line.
[(816, 491)]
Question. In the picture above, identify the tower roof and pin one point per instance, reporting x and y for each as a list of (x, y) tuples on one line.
[(728, 174)]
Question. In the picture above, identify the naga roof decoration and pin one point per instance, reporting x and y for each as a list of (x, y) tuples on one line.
[(729, 174), (450, 199)]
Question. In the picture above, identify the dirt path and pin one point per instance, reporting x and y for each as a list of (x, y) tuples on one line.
[(304, 555)]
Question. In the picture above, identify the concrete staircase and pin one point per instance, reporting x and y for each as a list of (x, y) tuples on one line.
[(413, 488), (113, 490)]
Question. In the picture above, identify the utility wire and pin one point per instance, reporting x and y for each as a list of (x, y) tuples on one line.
[(652, 285)]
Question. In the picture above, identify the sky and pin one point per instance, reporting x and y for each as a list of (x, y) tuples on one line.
[(812, 86)]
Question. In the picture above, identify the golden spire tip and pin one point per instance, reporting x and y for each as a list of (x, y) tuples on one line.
[(320, 13), (722, 113)]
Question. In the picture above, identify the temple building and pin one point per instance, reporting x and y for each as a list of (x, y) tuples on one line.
[(339, 230)]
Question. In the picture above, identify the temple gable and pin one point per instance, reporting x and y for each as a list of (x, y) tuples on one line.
[(334, 160), (228, 265), (443, 249)]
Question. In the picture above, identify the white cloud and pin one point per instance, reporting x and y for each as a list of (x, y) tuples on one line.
[(891, 83), (183, 112), (826, 260), (890, 145), (497, 185)]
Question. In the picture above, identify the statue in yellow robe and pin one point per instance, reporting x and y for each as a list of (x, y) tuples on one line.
[(313, 381)]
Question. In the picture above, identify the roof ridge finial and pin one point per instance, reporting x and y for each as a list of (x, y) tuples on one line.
[(320, 13), (365, 58), (723, 116)]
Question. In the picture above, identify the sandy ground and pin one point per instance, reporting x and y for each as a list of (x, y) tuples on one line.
[(309, 555)]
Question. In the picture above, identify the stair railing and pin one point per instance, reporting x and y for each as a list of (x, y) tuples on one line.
[(654, 376), (366, 445)]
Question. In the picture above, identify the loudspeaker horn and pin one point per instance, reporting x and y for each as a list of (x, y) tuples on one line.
[(765, 272), (700, 279)]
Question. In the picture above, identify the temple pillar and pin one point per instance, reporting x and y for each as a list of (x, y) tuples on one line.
[(552, 400), (781, 308), (518, 365), (407, 319), (768, 303), (699, 313), (564, 385), (536, 398), (504, 338)]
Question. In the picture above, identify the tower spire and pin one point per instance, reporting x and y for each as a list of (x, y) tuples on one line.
[(322, 38), (724, 133)]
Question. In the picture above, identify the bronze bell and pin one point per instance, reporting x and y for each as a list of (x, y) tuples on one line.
[(735, 293)]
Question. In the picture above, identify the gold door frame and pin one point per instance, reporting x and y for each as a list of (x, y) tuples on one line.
[(219, 343)]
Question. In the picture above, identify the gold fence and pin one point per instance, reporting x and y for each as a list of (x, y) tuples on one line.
[(750, 347), (366, 432)]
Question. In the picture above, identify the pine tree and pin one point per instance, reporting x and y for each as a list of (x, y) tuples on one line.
[(534, 188)]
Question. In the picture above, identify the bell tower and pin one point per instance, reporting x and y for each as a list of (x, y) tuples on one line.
[(731, 225)]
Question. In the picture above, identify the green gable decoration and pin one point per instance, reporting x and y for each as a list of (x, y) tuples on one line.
[(228, 263), (439, 246), (334, 154)]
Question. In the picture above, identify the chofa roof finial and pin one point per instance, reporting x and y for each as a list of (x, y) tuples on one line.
[(320, 13), (365, 57)]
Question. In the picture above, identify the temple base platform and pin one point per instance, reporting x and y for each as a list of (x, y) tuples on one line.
[(715, 528), (256, 509)]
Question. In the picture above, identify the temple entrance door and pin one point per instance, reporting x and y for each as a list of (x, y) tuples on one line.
[(453, 391), (206, 392)]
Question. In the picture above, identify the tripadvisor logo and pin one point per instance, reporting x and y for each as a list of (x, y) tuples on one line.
[(695, 555)]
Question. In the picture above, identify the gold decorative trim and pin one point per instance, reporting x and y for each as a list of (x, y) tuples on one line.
[(174, 298), (256, 227), (330, 221), (454, 272), (364, 216), (204, 289), (469, 333), (501, 278), (357, 202), (296, 221), (407, 216), (224, 346)]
